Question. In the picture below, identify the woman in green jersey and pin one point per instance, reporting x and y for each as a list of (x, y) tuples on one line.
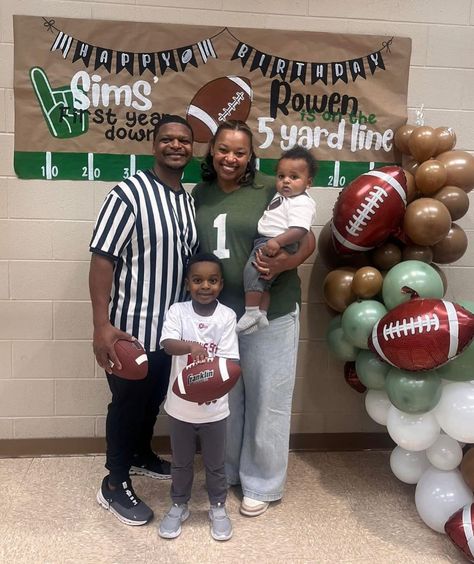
[(229, 202)]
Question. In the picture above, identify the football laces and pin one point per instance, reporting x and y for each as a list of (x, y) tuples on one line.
[(366, 211), (411, 326)]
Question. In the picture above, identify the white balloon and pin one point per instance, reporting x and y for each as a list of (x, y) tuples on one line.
[(439, 494), (445, 453), (377, 405), (455, 411), (412, 431), (408, 466)]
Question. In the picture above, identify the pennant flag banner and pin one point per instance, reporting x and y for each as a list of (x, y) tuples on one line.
[(88, 94)]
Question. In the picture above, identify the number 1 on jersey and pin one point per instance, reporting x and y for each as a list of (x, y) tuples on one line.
[(219, 223)]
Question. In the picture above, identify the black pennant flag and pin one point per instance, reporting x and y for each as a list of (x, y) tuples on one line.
[(280, 67), (206, 48), (339, 72), (62, 42), (146, 61), (261, 61), (356, 66), (319, 71), (298, 70), (375, 61), (186, 57), (167, 61), (243, 53), (84, 52), (125, 61), (103, 57)]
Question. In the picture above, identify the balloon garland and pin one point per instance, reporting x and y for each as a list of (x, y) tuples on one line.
[(406, 347)]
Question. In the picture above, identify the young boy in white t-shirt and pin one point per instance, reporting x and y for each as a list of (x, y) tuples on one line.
[(193, 331)]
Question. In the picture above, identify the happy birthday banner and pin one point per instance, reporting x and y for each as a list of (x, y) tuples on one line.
[(88, 94)]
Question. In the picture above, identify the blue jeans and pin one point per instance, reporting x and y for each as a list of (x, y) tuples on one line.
[(258, 428)]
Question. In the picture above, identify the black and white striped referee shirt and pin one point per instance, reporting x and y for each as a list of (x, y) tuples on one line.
[(148, 230)]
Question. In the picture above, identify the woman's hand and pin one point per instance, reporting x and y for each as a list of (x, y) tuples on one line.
[(271, 266)]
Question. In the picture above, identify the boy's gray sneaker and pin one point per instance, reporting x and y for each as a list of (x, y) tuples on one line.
[(221, 527), (170, 526)]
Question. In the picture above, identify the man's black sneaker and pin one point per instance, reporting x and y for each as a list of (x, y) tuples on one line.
[(124, 503), (153, 467)]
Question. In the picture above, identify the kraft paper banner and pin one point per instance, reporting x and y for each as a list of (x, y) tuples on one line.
[(88, 94)]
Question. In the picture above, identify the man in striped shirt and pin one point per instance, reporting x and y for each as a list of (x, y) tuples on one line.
[(142, 238)]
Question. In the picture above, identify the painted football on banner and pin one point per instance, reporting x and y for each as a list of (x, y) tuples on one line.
[(133, 359), (460, 530), (422, 334), (200, 382), (369, 209), (227, 97)]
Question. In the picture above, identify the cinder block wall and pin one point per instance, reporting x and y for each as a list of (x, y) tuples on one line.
[(49, 384)]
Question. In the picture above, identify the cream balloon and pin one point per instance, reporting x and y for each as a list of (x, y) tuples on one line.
[(445, 453), (377, 405), (408, 466), (412, 431), (455, 411), (439, 494)]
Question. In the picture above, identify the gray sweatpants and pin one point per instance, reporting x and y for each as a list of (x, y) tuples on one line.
[(183, 447)]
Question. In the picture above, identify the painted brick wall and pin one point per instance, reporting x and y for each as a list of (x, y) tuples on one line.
[(49, 384)]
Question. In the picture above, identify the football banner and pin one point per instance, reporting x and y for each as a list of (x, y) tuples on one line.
[(88, 94)]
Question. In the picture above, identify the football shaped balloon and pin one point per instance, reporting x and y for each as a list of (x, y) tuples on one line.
[(460, 530), (369, 209), (206, 381), (133, 359), (227, 97), (422, 334)]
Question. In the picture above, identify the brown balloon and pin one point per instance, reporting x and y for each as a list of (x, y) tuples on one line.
[(337, 288), (386, 256), (367, 282), (460, 169), (422, 143), (452, 247), (445, 138), (417, 252), (411, 186), (467, 468), (430, 176), (410, 165), (331, 258), (426, 221), (401, 138), (455, 199), (442, 275)]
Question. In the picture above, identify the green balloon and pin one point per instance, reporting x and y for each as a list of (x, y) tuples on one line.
[(461, 368), (467, 305), (340, 346), (413, 392), (371, 370), (334, 323), (417, 275), (358, 320)]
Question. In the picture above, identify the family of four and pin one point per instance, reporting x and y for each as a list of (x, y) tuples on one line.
[(232, 246)]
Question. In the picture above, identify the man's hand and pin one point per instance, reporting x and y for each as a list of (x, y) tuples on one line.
[(103, 343)]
